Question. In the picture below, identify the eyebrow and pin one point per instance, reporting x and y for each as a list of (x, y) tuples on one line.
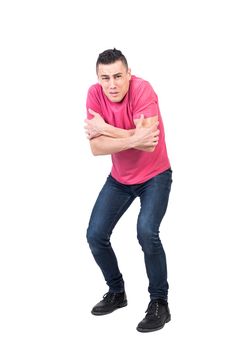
[(107, 76)]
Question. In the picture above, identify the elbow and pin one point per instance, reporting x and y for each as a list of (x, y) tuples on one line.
[(95, 151), (94, 148), (97, 148)]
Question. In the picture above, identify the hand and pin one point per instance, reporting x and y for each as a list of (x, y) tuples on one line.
[(146, 137), (94, 127)]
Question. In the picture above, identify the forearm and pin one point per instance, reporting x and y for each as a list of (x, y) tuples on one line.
[(109, 139), (112, 131), (97, 128), (104, 145)]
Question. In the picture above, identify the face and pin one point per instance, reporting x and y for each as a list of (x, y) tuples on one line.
[(114, 79)]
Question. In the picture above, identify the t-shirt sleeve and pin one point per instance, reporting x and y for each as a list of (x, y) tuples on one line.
[(92, 101), (145, 101)]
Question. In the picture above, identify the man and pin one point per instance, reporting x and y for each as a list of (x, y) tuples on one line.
[(124, 121)]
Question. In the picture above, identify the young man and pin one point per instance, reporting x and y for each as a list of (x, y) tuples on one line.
[(124, 121)]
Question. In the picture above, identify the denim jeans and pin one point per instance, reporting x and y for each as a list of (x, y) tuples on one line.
[(113, 200)]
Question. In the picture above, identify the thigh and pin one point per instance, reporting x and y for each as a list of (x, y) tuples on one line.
[(154, 198), (113, 200)]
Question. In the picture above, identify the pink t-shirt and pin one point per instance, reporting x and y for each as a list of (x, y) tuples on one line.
[(132, 166)]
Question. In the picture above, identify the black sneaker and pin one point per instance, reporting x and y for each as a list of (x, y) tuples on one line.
[(110, 303), (158, 314)]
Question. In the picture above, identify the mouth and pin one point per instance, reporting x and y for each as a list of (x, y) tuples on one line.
[(114, 94)]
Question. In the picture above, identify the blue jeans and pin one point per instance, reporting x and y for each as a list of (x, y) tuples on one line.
[(113, 200)]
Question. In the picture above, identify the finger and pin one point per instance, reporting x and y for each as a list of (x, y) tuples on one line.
[(140, 121), (141, 118), (155, 125), (153, 129), (92, 112), (87, 122), (87, 129)]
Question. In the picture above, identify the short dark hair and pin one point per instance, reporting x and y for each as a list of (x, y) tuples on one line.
[(111, 56)]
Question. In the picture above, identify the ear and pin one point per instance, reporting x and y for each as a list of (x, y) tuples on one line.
[(129, 73), (99, 79)]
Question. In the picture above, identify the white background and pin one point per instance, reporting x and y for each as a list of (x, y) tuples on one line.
[(49, 179)]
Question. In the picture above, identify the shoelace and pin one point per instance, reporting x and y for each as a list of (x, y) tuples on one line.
[(152, 309), (108, 297)]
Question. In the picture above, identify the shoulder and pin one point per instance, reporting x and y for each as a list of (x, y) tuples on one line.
[(94, 93), (94, 89), (141, 87)]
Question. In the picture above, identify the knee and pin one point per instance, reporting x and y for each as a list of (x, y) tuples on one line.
[(92, 236), (148, 239), (95, 238)]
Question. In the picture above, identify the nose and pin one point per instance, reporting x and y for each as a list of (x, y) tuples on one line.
[(112, 83)]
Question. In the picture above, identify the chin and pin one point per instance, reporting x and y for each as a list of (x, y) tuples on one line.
[(115, 99)]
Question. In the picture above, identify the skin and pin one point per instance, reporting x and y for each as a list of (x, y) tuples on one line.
[(107, 139), (114, 79)]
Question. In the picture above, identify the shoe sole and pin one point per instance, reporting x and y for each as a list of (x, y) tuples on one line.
[(125, 303), (147, 330)]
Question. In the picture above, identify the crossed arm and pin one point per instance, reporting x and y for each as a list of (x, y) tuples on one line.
[(107, 139)]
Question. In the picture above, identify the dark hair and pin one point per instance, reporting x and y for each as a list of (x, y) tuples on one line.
[(111, 56)]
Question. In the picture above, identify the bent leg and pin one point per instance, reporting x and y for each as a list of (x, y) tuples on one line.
[(154, 199), (111, 203)]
